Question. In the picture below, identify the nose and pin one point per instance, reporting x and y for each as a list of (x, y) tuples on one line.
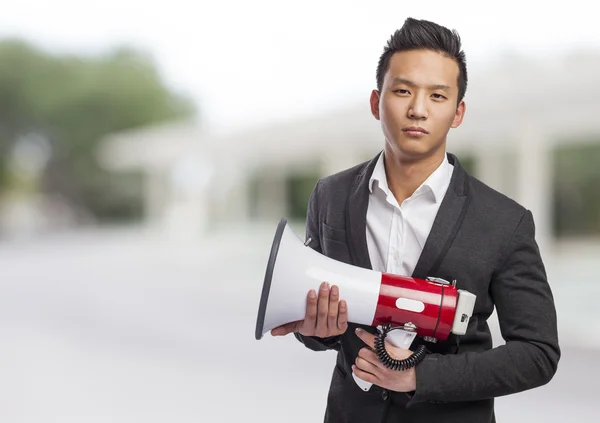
[(417, 108)]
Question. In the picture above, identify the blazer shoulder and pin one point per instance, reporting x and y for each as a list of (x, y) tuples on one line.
[(490, 198), (343, 180)]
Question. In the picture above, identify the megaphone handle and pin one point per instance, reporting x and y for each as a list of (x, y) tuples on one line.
[(399, 338)]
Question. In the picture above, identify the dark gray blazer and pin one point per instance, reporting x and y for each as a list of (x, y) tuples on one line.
[(486, 242)]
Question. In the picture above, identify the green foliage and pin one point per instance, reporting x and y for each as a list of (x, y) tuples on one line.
[(577, 190), (73, 102), (299, 187), (469, 163)]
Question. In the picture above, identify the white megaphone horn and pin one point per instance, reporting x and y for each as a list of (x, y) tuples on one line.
[(400, 307)]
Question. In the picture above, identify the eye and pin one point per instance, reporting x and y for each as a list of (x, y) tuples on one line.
[(401, 91), (438, 96)]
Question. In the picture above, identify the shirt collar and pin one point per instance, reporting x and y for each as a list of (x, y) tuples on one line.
[(379, 175), (437, 183)]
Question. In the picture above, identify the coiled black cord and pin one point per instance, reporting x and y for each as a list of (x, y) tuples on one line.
[(392, 363)]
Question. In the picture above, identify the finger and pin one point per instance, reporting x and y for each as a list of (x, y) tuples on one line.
[(367, 377), (310, 318), (368, 367), (322, 307), (285, 329), (366, 337), (342, 320), (332, 314), (369, 355)]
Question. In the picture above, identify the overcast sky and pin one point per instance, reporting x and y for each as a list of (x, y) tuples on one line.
[(248, 62)]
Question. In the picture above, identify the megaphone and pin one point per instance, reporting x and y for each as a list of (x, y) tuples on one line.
[(401, 307)]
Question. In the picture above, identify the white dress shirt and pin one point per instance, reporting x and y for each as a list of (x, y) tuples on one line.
[(396, 234)]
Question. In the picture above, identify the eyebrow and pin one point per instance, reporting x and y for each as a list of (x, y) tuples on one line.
[(398, 80)]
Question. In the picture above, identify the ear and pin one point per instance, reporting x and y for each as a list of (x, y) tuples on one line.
[(459, 115), (375, 103)]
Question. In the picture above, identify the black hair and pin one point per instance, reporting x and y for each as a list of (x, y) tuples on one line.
[(425, 35)]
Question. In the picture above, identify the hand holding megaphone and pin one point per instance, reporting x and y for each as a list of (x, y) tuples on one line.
[(400, 307), (368, 367), (326, 315)]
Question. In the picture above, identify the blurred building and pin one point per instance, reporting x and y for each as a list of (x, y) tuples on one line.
[(520, 114)]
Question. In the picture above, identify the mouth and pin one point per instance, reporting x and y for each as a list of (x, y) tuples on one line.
[(415, 131)]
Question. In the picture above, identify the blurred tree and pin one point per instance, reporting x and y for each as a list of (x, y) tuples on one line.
[(299, 186), (72, 102), (577, 190)]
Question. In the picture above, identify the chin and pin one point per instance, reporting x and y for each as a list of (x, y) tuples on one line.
[(415, 149), (412, 151)]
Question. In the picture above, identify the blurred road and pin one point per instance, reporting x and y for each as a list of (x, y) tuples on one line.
[(124, 326)]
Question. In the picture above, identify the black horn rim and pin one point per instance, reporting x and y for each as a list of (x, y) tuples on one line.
[(264, 298)]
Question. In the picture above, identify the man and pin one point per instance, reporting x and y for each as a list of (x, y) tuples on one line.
[(413, 210)]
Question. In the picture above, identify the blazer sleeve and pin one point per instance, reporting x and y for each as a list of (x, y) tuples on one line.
[(528, 323), (312, 231)]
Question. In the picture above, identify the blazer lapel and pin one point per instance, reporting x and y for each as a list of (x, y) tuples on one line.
[(446, 224), (356, 216)]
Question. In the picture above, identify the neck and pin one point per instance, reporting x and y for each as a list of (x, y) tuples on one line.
[(404, 176)]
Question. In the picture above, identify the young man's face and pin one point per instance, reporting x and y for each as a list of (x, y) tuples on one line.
[(419, 92)]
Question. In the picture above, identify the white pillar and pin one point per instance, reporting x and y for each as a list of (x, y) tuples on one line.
[(492, 168), (234, 203), (155, 195), (334, 162), (534, 181)]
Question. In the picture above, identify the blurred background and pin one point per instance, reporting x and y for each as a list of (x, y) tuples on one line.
[(148, 151)]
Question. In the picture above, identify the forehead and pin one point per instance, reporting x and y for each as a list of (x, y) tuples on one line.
[(424, 67)]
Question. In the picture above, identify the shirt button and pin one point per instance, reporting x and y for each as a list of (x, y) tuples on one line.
[(385, 395)]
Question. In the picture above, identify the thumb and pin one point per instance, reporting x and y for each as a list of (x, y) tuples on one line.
[(285, 329)]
